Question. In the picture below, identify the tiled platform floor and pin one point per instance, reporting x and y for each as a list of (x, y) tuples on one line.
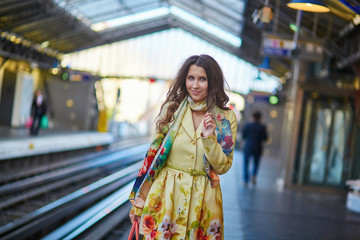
[(264, 213)]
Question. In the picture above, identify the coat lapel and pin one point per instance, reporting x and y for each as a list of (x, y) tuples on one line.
[(199, 129), (188, 124)]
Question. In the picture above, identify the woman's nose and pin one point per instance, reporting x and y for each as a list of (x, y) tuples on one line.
[(196, 83)]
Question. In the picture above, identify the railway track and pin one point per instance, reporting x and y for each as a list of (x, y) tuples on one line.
[(31, 208)]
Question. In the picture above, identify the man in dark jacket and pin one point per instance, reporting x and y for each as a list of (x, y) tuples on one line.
[(38, 110), (255, 134)]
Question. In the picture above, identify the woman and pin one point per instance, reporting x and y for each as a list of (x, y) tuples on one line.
[(176, 194), (38, 110)]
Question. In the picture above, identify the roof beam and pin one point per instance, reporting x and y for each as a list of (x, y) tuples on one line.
[(4, 11), (232, 28), (130, 31), (191, 7), (30, 20), (177, 22), (18, 51), (114, 13), (70, 18), (32, 26)]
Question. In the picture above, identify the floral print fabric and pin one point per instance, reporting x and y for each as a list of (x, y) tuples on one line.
[(181, 206)]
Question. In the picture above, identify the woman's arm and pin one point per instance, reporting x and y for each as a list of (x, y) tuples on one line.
[(219, 161)]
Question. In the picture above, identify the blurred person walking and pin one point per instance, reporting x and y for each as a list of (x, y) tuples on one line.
[(38, 110), (177, 193), (255, 134)]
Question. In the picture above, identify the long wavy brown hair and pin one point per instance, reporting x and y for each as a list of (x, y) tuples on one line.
[(216, 95)]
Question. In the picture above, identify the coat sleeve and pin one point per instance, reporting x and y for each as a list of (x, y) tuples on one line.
[(213, 151), (136, 211)]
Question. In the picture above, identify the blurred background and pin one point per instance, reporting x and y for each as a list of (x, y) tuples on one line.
[(104, 67)]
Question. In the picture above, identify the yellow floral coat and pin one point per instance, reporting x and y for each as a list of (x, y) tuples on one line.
[(181, 204)]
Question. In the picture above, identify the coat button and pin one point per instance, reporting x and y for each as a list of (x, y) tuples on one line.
[(192, 156), (193, 142)]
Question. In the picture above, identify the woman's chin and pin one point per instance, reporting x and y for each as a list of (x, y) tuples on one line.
[(197, 99)]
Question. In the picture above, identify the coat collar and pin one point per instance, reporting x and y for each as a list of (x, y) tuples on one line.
[(188, 125)]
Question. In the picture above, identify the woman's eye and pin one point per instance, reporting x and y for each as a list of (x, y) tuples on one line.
[(203, 79), (190, 77)]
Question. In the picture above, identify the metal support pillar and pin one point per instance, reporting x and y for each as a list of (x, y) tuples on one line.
[(292, 116)]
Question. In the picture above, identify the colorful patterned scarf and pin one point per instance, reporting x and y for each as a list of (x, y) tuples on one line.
[(155, 158)]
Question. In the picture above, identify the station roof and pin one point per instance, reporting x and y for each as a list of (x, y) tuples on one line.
[(65, 26)]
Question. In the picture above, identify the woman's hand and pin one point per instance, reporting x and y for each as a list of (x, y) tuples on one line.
[(209, 125), (134, 217)]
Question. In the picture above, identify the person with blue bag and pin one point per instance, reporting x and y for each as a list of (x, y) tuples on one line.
[(38, 112), (177, 194)]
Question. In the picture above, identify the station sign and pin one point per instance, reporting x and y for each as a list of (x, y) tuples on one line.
[(275, 46), (284, 47)]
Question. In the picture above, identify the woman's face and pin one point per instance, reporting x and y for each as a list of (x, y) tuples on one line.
[(197, 83)]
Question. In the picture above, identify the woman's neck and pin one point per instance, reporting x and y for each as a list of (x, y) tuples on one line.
[(197, 117)]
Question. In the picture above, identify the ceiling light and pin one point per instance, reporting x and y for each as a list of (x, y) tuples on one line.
[(13, 38), (309, 5), (356, 20), (293, 27), (44, 44)]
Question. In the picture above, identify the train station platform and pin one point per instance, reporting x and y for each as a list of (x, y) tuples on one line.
[(16, 143), (264, 212)]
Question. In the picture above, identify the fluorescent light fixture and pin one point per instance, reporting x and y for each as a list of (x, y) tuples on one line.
[(163, 11)]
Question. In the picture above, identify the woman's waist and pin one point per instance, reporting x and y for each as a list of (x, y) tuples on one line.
[(190, 170)]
